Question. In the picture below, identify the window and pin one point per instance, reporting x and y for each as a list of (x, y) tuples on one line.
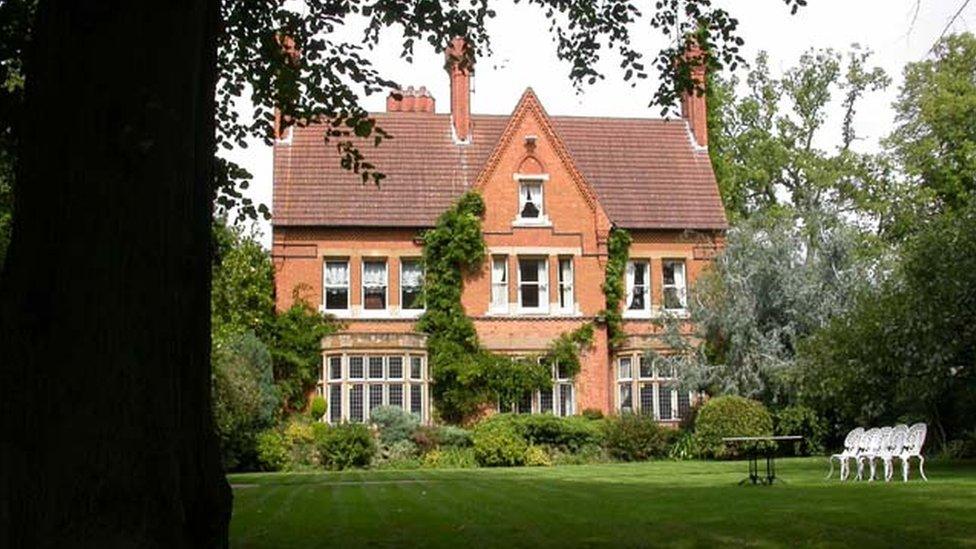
[(356, 367), (356, 403), (533, 284), (335, 368), (416, 367), (655, 384), (560, 399), (646, 367), (675, 298), (530, 200), (499, 283), (411, 284), (624, 368), (638, 287), (335, 403), (566, 283), (625, 387), (665, 412), (416, 399), (375, 367), (336, 285), (374, 284), (626, 398), (395, 367), (358, 384)]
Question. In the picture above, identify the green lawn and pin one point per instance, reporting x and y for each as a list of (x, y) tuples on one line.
[(628, 505)]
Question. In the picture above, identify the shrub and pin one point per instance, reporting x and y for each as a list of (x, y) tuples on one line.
[(317, 408), (346, 445), (453, 437), (394, 423), (402, 454), (585, 455), (429, 438), (244, 396), (497, 444), (536, 456), (300, 436), (592, 413), (450, 458), (569, 433), (633, 437), (272, 450), (683, 446), (729, 416), (803, 421)]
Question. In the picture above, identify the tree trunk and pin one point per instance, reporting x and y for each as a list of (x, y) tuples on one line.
[(107, 435)]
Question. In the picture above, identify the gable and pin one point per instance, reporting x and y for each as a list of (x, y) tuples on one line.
[(530, 154)]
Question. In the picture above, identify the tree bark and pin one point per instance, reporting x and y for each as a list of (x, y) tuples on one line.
[(107, 435)]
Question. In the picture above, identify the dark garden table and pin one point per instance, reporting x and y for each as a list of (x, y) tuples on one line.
[(756, 448)]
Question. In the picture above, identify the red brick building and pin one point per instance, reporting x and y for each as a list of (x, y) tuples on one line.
[(553, 186)]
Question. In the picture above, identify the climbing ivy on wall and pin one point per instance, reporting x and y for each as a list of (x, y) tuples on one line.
[(565, 350), (466, 376), (618, 247)]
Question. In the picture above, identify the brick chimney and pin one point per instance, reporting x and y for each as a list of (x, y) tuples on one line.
[(692, 103), (460, 70), (410, 100)]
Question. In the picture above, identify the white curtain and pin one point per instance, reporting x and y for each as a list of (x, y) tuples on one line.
[(499, 281), (374, 274), (336, 274), (412, 275)]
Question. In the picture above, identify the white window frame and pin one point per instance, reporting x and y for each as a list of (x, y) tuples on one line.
[(680, 287), (326, 285), (542, 285), (503, 285), (535, 180), (630, 276), (345, 384), (661, 376), (362, 286), (566, 286), (404, 310)]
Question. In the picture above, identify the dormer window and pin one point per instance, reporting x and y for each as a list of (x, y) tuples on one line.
[(530, 200)]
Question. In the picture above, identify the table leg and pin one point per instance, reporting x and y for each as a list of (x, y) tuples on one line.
[(770, 467)]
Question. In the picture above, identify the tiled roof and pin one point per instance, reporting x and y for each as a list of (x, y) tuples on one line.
[(646, 173)]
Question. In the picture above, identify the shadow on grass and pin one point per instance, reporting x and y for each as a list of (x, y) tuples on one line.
[(660, 503)]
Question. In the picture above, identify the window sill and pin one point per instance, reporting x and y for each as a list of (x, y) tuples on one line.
[(541, 222), (676, 313), (637, 315)]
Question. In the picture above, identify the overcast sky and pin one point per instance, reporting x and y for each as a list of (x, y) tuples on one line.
[(524, 56)]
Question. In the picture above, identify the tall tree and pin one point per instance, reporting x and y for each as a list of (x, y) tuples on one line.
[(764, 143), (934, 143), (105, 294)]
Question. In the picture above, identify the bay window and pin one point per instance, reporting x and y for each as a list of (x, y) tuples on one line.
[(657, 388), (360, 383)]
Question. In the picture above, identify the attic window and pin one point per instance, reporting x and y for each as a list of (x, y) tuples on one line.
[(530, 200)]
